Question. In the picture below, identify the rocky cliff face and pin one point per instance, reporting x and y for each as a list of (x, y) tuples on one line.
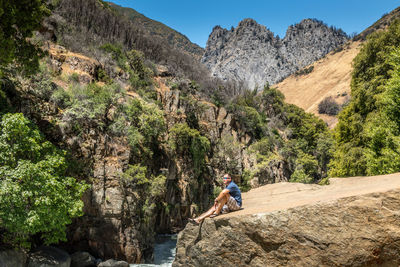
[(352, 222), (250, 53), (113, 225)]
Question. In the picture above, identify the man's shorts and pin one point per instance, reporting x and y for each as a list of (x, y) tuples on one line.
[(231, 205)]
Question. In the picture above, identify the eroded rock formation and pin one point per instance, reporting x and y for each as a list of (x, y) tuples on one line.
[(250, 53)]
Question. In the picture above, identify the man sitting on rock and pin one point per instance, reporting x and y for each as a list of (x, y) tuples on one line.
[(230, 199)]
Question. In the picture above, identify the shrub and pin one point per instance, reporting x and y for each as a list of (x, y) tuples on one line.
[(328, 106), (226, 154), (74, 77), (245, 185), (248, 117), (300, 176), (216, 191), (102, 76), (36, 196), (117, 53), (61, 98), (150, 188), (306, 71), (89, 105), (143, 123), (186, 141)]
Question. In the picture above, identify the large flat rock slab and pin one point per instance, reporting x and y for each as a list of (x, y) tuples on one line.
[(288, 195), (352, 222)]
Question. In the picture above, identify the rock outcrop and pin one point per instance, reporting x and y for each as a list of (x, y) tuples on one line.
[(49, 256), (352, 222), (250, 53), (11, 258)]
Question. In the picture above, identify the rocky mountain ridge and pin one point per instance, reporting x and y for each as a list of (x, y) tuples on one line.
[(251, 54)]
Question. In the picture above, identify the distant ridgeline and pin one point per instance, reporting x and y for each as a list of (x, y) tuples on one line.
[(155, 28), (251, 54)]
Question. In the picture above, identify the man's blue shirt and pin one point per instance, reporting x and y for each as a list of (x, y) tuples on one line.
[(234, 191)]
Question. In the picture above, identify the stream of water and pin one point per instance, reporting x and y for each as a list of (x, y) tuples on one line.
[(164, 251)]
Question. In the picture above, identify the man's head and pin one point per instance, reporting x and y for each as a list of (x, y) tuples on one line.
[(227, 179)]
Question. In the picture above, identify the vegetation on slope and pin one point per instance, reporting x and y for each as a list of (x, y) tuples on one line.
[(283, 133), (282, 137), (17, 21), (94, 23), (367, 135), (36, 194), (38, 198), (155, 28)]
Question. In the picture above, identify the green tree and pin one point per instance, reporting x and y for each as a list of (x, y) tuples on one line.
[(17, 21), (36, 195)]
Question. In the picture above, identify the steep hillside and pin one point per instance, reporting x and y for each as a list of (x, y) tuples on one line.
[(155, 28), (84, 26), (251, 54), (329, 76)]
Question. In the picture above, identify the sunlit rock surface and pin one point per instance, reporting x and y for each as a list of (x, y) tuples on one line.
[(352, 222)]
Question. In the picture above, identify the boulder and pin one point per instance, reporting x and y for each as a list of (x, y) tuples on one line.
[(113, 263), (49, 257), (12, 258), (82, 259), (353, 222)]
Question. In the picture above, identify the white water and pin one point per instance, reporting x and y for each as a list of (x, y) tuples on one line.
[(164, 251)]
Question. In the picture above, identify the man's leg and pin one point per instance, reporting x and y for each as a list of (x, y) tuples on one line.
[(221, 203), (205, 214)]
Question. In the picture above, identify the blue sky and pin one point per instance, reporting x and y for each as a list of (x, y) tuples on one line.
[(195, 19)]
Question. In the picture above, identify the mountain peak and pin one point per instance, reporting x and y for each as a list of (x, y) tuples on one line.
[(248, 22), (251, 53)]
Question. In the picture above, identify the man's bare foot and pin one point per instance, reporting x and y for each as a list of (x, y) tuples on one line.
[(194, 221)]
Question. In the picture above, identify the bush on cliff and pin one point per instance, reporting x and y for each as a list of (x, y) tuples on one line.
[(133, 63), (328, 106), (186, 141), (36, 195), (151, 189), (143, 123)]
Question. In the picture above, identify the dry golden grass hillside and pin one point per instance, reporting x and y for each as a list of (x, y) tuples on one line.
[(330, 76)]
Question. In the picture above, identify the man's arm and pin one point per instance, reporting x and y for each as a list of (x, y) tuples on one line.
[(221, 195)]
